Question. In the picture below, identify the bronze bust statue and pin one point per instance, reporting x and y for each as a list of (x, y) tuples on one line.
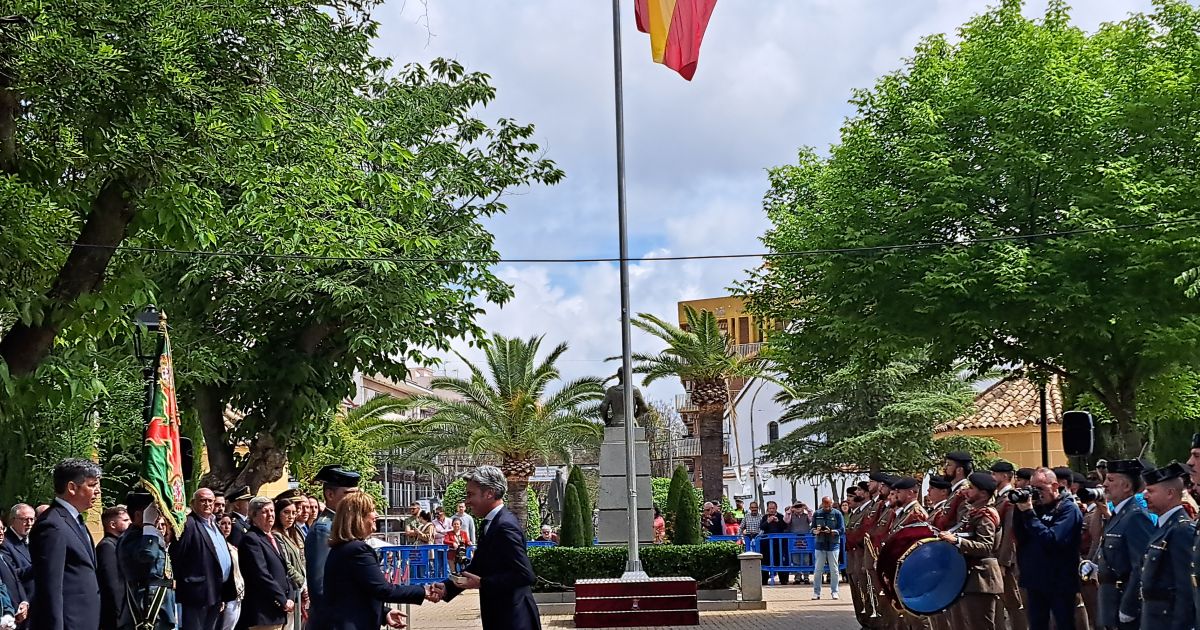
[(612, 410)]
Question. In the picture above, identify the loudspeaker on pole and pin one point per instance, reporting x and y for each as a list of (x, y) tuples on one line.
[(1078, 433)]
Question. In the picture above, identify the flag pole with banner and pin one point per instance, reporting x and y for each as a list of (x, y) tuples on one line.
[(162, 461)]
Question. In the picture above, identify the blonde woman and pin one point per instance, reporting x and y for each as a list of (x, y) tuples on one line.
[(355, 590)]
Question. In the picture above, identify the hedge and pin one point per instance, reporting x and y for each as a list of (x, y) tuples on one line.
[(713, 565)]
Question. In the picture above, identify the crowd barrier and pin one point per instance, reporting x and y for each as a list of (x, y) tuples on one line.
[(784, 553), (425, 564)]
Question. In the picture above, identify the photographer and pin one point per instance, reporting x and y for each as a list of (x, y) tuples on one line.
[(828, 527), (1127, 534), (774, 550), (1048, 532)]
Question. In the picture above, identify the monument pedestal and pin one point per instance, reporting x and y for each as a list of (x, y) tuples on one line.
[(613, 501)]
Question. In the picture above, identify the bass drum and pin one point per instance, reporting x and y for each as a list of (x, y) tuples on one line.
[(920, 573)]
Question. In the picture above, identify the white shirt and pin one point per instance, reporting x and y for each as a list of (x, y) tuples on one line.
[(958, 485), (1117, 508), (1163, 519), (491, 516)]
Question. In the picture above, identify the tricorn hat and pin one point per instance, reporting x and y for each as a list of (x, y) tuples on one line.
[(294, 495), (241, 493), (1131, 467), (1174, 470), (137, 501), (334, 476), (982, 481)]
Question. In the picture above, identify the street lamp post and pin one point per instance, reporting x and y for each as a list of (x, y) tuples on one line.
[(753, 450), (147, 351)]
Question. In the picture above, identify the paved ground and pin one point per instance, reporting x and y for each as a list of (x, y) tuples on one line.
[(788, 608)]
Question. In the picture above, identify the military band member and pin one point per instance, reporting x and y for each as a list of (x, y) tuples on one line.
[(976, 539), (908, 511), (859, 586), (1010, 613), (938, 497), (958, 466), (877, 527), (1166, 580), (146, 568), (1127, 534)]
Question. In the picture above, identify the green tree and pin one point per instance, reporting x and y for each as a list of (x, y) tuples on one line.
[(571, 533), (873, 418), (508, 412), (1018, 148), (338, 445), (687, 518), (576, 480), (703, 358), (681, 489), (455, 493), (381, 427)]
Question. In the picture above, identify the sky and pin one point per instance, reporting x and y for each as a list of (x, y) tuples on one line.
[(774, 76)]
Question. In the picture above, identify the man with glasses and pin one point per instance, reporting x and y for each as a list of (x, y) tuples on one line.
[(1049, 531), (16, 545)]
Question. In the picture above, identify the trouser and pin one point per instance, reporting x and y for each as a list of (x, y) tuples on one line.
[(1088, 591), (200, 617), (821, 558), (1011, 608), (942, 621), (975, 611), (1041, 606), (860, 589)]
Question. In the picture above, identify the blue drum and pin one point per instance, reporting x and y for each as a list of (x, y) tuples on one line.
[(930, 576)]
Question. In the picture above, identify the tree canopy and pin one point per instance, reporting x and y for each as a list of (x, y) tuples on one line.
[(1022, 194)]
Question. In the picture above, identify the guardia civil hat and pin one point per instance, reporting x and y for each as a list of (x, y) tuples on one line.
[(239, 494), (336, 477), (137, 501), (1174, 470)]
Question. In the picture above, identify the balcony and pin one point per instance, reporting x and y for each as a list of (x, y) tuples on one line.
[(746, 349), (683, 404)]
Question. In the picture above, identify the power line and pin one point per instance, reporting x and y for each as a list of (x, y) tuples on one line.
[(765, 255)]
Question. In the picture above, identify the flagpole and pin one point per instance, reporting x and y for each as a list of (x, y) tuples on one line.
[(633, 566)]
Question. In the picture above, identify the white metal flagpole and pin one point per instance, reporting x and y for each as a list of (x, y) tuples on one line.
[(633, 566)]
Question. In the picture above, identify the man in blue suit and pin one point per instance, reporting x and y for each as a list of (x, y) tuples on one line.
[(66, 590), (16, 544), (1049, 531), (1126, 536), (500, 568)]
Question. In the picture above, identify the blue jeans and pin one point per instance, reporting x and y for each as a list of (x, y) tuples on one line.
[(820, 559)]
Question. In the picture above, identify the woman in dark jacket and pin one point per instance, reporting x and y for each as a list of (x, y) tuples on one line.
[(354, 584), (267, 603)]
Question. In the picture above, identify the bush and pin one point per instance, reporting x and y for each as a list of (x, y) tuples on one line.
[(687, 520), (679, 482), (584, 519), (533, 522), (713, 565), (455, 493), (571, 533), (660, 487)]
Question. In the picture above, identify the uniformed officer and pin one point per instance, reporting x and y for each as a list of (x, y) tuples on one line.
[(1166, 568), (1126, 536), (908, 511), (146, 569), (976, 539), (871, 511), (1194, 464), (854, 551), (959, 465), (1011, 611), (877, 526), (938, 498), (337, 484), (239, 511)]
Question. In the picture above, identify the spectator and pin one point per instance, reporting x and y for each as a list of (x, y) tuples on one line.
[(301, 516), (799, 521), (66, 590), (16, 545), (422, 531), (731, 524), (547, 535), (738, 511), (458, 541), (14, 587), (441, 525), (114, 613), (660, 527), (773, 550), (412, 522), (203, 566), (314, 510), (291, 546), (218, 504), (844, 508), (752, 521), (828, 527), (1048, 534), (267, 603), (468, 523), (233, 607)]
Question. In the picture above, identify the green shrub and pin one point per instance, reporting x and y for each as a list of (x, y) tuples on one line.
[(533, 522), (660, 487), (455, 493), (713, 565), (679, 483), (576, 480), (687, 520), (571, 533)]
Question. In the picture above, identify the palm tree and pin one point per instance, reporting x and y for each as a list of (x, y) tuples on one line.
[(508, 413), (703, 357), (380, 424)]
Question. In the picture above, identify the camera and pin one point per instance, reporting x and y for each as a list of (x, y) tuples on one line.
[(1021, 495), (1090, 494)]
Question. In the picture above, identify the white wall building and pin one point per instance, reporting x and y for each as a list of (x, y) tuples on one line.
[(755, 424)]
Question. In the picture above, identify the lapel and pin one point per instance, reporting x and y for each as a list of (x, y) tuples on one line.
[(19, 549), (205, 539), (74, 525), (1164, 528), (1120, 517), (270, 542)]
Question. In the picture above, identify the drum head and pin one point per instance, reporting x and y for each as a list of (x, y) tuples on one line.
[(930, 576)]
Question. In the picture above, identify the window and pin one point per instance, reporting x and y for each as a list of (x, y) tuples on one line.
[(772, 431)]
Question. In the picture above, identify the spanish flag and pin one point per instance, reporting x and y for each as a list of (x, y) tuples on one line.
[(676, 28)]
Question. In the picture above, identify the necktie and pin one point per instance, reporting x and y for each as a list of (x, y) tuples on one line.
[(87, 536)]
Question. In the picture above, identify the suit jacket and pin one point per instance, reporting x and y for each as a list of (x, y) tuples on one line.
[(17, 554), (240, 527), (266, 581), (197, 571), (506, 575), (113, 609), (979, 547), (316, 550), (356, 590), (1126, 537), (67, 593), (1166, 575)]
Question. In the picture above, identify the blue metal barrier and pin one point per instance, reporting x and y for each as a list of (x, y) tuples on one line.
[(415, 564), (734, 539), (540, 543), (789, 553)]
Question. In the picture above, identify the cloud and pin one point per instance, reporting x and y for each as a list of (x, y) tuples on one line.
[(772, 77)]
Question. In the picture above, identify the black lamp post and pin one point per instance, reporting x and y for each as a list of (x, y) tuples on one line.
[(147, 350)]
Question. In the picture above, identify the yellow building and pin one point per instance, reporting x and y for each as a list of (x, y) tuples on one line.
[(742, 328), (1009, 411)]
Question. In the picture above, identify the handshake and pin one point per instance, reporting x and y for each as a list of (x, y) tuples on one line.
[(437, 592)]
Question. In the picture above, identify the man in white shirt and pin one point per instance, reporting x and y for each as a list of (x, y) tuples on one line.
[(468, 523)]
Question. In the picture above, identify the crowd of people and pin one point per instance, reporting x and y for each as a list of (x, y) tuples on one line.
[(245, 562), (1044, 547)]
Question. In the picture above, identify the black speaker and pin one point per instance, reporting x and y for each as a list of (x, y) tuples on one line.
[(187, 457), (1077, 433)]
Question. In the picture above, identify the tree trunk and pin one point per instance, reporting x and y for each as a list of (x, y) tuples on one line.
[(712, 462), (1121, 402), (210, 410), (517, 502), (26, 344)]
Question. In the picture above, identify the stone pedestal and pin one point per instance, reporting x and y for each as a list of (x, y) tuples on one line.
[(614, 494)]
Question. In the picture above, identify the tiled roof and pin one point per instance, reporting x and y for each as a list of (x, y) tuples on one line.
[(1011, 402)]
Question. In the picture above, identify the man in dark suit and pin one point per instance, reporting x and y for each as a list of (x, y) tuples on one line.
[(114, 613), (16, 590), (67, 593), (500, 568), (16, 544), (203, 566), (239, 509)]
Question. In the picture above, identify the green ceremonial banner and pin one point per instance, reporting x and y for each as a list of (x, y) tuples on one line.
[(162, 464)]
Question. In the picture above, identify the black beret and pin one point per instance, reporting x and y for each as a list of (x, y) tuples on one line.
[(239, 494), (137, 501), (961, 457), (1025, 473), (1174, 470), (890, 481), (982, 481), (334, 477), (939, 482), (1062, 472), (863, 485), (1077, 477), (1002, 466), (904, 483), (880, 477)]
